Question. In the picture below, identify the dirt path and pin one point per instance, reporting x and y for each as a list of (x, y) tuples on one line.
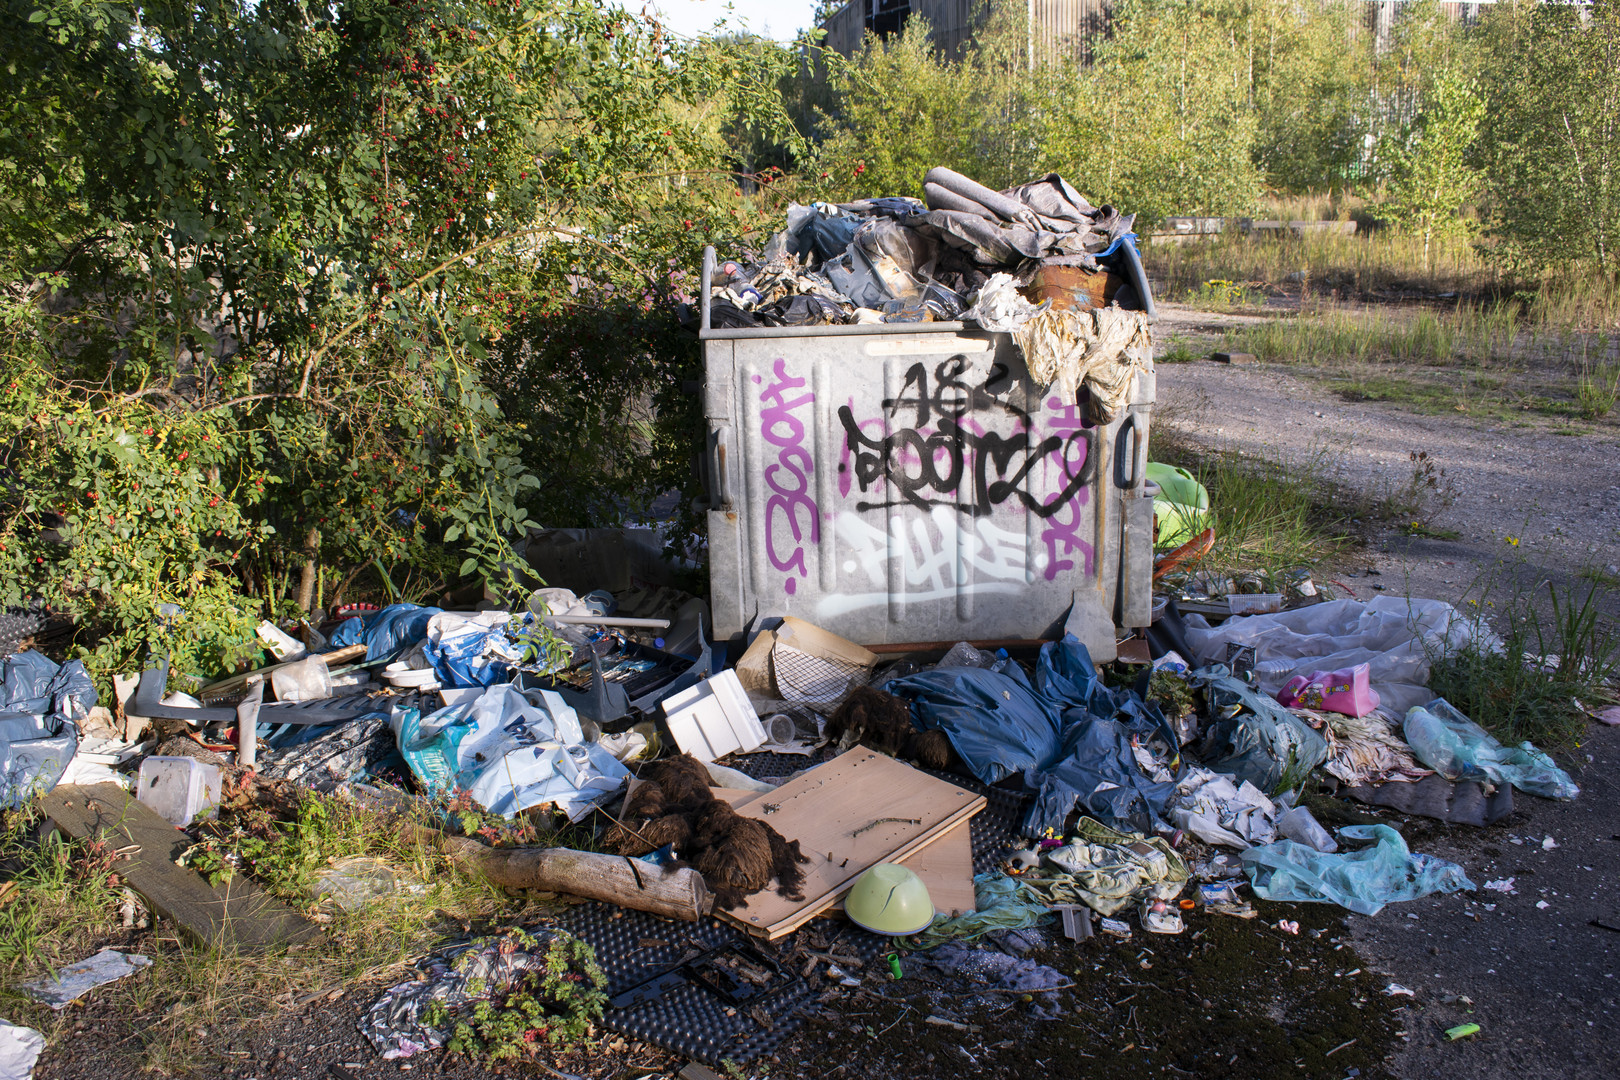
[(1558, 495)]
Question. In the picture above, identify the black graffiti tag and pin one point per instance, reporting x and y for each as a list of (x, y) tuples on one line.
[(929, 468)]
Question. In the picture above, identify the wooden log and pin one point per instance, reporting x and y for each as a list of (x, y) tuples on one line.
[(615, 879)]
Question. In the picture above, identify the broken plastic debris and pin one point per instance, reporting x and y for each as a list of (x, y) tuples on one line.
[(76, 980), (1462, 1031), (1548, 844), (1115, 927), (1287, 926), (1502, 885), (1397, 990), (1542, 905)]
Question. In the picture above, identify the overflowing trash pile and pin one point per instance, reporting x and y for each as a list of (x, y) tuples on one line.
[(1037, 261), (762, 789)]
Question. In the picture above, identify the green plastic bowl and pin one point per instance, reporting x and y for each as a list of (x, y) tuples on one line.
[(889, 899)]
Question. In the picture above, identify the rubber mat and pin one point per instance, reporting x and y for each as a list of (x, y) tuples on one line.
[(633, 947)]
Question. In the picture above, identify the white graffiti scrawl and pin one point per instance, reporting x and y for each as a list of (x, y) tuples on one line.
[(935, 553)]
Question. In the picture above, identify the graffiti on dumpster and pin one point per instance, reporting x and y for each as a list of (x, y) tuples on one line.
[(950, 454), (1061, 534), (788, 477), (935, 555)]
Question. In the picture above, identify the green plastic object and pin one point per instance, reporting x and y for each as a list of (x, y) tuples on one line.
[(1181, 508), (889, 899), (1462, 1031)]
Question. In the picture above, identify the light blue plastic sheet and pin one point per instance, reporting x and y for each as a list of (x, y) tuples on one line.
[(1362, 881), (396, 628), (1000, 903), (1458, 749)]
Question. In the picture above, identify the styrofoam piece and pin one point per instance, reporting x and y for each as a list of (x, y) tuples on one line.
[(714, 718), (458, 695), (178, 789)]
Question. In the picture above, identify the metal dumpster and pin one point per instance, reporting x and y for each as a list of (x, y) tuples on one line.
[(910, 483)]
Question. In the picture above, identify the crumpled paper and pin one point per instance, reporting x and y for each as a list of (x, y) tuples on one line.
[(1218, 811), (20, 1047), (1001, 308)]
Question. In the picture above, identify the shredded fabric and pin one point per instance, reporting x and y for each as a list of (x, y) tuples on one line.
[(1364, 750), (1001, 903), (1109, 870), (1104, 348), (983, 968)]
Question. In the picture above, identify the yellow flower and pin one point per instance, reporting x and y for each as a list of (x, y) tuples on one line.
[(1514, 540)]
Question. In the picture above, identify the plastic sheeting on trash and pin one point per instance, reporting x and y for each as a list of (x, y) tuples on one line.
[(1108, 870), (76, 980), (1218, 811), (397, 1023), (1459, 749), (1267, 746), (41, 706), (1397, 637), (20, 1048), (509, 752), (1096, 771), (386, 633), (1000, 306), (473, 649), (1361, 881), (1067, 733)]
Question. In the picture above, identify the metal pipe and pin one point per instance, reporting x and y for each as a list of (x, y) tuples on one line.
[(608, 620)]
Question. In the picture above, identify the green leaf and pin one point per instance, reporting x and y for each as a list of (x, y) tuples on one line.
[(468, 566)]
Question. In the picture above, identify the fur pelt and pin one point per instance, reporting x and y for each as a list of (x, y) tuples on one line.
[(883, 722), (736, 855)]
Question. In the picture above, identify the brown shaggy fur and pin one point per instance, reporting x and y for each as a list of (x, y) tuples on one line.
[(883, 722), (736, 855)]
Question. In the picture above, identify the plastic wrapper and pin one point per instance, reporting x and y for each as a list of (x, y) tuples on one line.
[(76, 980), (306, 680), (472, 650), (1300, 826), (1348, 691), (1457, 748), (394, 629), (1360, 881)]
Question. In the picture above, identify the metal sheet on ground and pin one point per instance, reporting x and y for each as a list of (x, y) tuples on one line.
[(234, 914)]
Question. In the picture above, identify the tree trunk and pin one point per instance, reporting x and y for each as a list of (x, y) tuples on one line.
[(306, 584), (675, 894)]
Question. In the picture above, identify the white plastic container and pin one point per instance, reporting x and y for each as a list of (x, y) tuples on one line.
[(714, 718), (307, 680), (178, 789)]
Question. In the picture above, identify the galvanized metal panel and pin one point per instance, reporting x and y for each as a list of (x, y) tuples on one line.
[(907, 486)]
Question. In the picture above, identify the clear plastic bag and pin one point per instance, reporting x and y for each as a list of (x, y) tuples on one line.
[(1457, 748)]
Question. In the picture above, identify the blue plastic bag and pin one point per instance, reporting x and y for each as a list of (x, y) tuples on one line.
[(396, 628), (1362, 881), (1458, 749), (996, 721)]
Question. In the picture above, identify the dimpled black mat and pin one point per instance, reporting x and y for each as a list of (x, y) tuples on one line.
[(633, 947)]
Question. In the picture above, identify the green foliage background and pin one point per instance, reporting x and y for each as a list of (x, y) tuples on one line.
[(292, 295)]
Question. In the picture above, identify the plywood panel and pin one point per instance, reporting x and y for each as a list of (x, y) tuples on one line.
[(946, 867), (859, 809), (234, 914)]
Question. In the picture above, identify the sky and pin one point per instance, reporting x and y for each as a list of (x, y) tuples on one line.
[(778, 19)]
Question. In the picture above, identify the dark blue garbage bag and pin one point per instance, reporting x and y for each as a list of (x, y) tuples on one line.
[(997, 722), (396, 628), (1266, 744), (1067, 733), (1097, 772)]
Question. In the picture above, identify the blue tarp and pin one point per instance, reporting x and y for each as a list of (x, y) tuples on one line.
[(1067, 732)]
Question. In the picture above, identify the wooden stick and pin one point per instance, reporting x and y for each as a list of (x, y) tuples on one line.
[(675, 894)]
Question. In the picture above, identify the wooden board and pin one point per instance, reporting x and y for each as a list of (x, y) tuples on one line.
[(946, 867), (837, 812), (234, 914)]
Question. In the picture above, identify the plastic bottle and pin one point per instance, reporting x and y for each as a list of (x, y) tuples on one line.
[(964, 655), (1002, 661)]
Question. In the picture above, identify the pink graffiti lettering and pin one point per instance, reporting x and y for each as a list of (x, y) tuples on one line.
[(1062, 532), (789, 477)]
